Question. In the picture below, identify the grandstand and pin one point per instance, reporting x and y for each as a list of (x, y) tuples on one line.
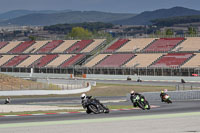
[(163, 44), (190, 44), (172, 60), (114, 60), (160, 56), (136, 45), (21, 47), (35, 47), (142, 60), (119, 43), (49, 46), (9, 46), (80, 45)]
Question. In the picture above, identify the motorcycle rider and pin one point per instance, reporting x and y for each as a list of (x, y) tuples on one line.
[(86, 99), (7, 100), (162, 94), (133, 94)]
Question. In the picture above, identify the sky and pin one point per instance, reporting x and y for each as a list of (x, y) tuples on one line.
[(116, 6)]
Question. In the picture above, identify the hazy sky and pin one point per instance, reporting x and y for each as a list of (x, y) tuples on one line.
[(125, 6)]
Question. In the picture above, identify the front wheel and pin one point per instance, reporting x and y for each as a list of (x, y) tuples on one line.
[(93, 108), (147, 104), (169, 101)]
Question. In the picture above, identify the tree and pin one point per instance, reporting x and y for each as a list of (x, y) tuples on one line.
[(32, 38), (79, 33), (192, 31), (169, 32)]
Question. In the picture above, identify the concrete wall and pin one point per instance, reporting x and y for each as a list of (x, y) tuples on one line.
[(144, 78), (44, 92), (175, 95), (109, 77), (37, 75)]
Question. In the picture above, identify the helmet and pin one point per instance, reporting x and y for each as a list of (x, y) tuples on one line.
[(162, 91), (83, 96), (132, 92)]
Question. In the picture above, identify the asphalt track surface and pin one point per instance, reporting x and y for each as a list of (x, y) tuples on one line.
[(162, 108)]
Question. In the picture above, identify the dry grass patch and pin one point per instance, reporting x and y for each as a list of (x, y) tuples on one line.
[(121, 90), (13, 83)]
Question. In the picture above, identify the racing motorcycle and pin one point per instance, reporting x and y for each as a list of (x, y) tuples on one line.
[(166, 98), (94, 106), (141, 102)]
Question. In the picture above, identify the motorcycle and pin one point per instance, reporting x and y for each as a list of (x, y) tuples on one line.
[(94, 106), (167, 99), (141, 103)]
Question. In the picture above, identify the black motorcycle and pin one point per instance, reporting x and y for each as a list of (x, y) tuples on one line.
[(94, 106)]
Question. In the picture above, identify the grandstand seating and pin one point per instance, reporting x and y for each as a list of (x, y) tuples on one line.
[(172, 60), (44, 60), (15, 60), (37, 45), (64, 46), (21, 47), (190, 44), (193, 62), (95, 60), (77, 47), (72, 61), (29, 60), (2, 44), (9, 46), (136, 44), (50, 46), (5, 58), (142, 60), (92, 46), (119, 43), (163, 44), (59, 60), (115, 60)]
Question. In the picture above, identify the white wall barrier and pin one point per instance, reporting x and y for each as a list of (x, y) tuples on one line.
[(44, 92)]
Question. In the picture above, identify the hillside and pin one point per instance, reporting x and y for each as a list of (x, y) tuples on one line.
[(176, 20), (146, 17), (18, 13), (67, 17)]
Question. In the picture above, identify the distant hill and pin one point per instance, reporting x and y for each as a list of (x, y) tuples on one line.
[(176, 20), (145, 18), (18, 13), (66, 17)]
